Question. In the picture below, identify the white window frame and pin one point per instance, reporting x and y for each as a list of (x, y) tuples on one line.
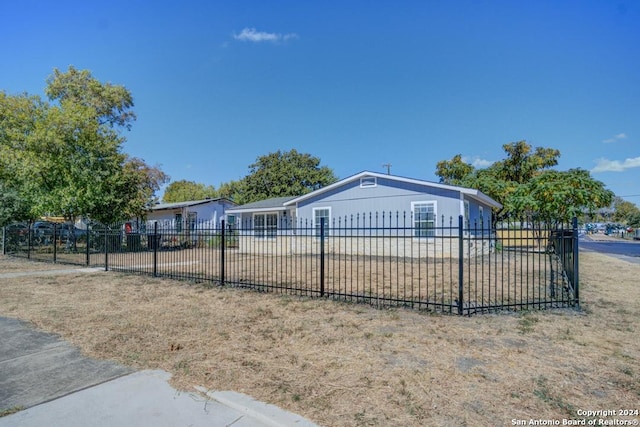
[(266, 230), (192, 220), (435, 218), (368, 182), (481, 219), (327, 224), (467, 216)]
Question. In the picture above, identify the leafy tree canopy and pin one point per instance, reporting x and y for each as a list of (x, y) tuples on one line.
[(65, 158), (624, 211), (233, 190), (282, 174), (183, 190), (12, 207), (634, 220), (525, 185)]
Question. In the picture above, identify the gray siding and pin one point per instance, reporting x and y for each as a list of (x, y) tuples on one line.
[(388, 196)]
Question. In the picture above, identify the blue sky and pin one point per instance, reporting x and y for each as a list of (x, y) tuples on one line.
[(357, 83)]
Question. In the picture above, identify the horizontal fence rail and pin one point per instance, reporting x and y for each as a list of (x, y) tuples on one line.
[(378, 259)]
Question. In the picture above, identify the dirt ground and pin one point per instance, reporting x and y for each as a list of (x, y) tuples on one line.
[(342, 364)]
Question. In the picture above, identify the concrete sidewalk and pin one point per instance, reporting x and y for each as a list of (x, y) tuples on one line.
[(57, 386)]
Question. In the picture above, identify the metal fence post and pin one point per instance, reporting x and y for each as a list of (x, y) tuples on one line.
[(576, 274), (321, 257), (460, 264), (156, 243), (222, 249)]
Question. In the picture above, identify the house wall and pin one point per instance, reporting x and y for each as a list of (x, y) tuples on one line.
[(475, 220), (245, 219), (392, 201), (396, 247), (208, 215), (374, 220)]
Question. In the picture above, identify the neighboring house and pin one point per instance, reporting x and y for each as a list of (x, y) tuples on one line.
[(367, 204), (264, 217), (201, 214)]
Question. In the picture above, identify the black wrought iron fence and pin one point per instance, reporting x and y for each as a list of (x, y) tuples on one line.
[(381, 260)]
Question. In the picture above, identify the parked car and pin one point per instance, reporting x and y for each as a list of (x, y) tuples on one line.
[(42, 228), (65, 230)]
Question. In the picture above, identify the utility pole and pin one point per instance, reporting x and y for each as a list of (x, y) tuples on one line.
[(388, 166)]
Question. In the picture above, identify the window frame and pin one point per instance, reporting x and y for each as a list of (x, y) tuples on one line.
[(368, 182), (416, 229), (316, 225), (266, 230)]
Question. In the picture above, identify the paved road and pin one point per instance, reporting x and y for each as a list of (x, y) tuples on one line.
[(625, 250)]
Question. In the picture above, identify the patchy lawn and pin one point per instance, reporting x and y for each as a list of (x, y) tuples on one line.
[(342, 364)]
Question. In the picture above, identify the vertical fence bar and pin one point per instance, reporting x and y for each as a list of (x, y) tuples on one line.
[(460, 264), (222, 249), (29, 236), (87, 253), (55, 242), (576, 266), (321, 257), (106, 249), (156, 243)]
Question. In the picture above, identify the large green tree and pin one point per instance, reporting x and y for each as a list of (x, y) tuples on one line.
[(282, 174), (525, 184), (624, 210), (183, 190), (12, 206), (559, 195), (65, 157)]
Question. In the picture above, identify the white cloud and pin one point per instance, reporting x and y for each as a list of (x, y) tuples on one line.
[(477, 162), (615, 138), (606, 165), (252, 35)]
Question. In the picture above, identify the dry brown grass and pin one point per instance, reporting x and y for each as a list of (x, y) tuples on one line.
[(346, 365)]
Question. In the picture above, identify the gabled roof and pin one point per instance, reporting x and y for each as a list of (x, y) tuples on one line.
[(178, 205), (273, 204), (474, 194)]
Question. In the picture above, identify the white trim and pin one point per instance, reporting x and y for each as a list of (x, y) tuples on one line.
[(327, 226), (265, 230), (259, 210), (368, 182), (435, 217)]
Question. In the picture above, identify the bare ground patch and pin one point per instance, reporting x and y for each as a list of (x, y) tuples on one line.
[(343, 364)]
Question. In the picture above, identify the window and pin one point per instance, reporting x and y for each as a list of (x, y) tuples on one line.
[(178, 222), (481, 214), (318, 215), (192, 219), (369, 181), (424, 219), (466, 214), (265, 225), (231, 222)]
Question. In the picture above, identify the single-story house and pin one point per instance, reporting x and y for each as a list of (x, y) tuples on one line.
[(367, 204), (179, 216)]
